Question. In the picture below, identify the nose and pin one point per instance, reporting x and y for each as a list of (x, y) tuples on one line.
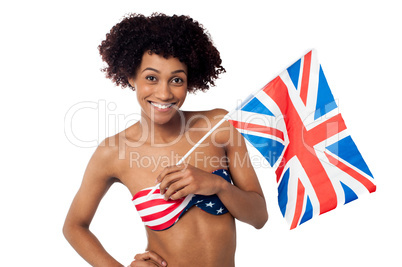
[(163, 92)]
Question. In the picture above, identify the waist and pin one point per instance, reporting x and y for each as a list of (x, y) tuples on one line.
[(198, 239)]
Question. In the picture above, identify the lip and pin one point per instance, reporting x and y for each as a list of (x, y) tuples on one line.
[(159, 106)]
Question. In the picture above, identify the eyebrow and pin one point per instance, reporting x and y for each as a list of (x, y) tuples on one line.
[(157, 71), (178, 71)]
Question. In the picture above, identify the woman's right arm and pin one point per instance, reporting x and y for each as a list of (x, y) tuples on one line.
[(97, 180)]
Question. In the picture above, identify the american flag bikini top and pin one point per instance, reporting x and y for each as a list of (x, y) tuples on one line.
[(159, 214)]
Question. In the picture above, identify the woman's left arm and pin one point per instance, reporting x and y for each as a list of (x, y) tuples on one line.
[(244, 198)]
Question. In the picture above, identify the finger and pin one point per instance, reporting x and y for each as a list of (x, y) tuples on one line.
[(183, 192), (170, 179), (177, 189), (150, 255), (168, 170), (147, 263)]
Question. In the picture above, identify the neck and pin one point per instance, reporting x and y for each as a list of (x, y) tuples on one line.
[(163, 133)]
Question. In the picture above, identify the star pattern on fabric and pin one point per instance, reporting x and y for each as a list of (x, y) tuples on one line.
[(219, 211), (210, 204)]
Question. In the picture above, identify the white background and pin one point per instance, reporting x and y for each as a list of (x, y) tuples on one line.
[(50, 66)]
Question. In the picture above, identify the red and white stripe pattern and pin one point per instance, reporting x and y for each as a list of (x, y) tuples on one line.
[(157, 213)]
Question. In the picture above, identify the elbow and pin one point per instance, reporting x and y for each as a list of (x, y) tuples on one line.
[(262, 217), (66, 230), (262, 220), (70, 230)]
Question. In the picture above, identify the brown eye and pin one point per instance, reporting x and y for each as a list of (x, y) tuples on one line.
[(151, 78), (177, 80)]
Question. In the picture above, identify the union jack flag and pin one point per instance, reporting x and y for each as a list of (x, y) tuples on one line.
[(296, 117)]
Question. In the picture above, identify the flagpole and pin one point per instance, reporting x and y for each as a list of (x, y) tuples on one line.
[(202, 139)]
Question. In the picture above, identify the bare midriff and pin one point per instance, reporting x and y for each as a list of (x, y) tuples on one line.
[(197, 239)]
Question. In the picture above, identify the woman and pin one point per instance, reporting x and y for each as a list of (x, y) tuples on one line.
[(163, 58)]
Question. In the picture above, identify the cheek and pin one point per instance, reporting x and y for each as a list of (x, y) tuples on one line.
[(182, 95), (140, 98), (142, 91)]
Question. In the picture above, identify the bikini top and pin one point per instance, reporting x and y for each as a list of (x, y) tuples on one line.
[(159, 214)]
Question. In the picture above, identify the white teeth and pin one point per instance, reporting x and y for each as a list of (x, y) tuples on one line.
[(161, 106)]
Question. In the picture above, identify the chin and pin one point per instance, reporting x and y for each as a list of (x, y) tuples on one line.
[(163, 119)]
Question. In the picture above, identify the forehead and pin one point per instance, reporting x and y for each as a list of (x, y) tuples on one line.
[(158, 62)]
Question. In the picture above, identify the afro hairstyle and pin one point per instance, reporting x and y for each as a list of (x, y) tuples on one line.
[(169, 36)]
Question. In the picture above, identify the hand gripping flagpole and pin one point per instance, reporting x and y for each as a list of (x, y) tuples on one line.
[(226, 117)]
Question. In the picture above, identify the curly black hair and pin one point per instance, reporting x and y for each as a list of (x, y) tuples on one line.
[(177, 36)]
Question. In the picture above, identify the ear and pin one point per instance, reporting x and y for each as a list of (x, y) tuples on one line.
[(131, 81)]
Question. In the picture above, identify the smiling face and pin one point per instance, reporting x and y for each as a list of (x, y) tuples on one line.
[(161, 86)]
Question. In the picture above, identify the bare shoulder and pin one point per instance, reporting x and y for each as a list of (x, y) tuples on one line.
[(107, 150), (205, 118), (208, 119), (103, 160), (216, 114)]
